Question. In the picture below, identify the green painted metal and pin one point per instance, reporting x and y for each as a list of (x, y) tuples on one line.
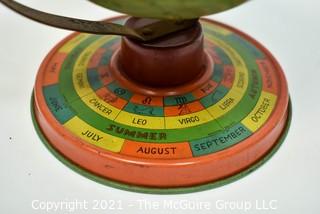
[(169, 9)]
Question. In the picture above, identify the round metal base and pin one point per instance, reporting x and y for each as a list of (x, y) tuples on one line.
[(200, 138)]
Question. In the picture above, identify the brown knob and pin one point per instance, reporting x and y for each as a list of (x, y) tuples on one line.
[(171, 61)]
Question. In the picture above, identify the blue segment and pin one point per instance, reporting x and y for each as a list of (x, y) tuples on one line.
[(214, 97), (119, 91), (94, 79), (220, 140), (178, 100), (144, 110), (57, 104), (110, 43), (106, 57), (242, 43), (217, 73), (223, 56)]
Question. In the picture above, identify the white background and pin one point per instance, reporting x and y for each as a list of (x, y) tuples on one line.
[(290, 29)]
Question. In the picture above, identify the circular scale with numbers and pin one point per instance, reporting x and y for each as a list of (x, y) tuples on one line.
[(188, 111)]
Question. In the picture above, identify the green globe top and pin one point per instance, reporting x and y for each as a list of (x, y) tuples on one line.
[(168, 9)]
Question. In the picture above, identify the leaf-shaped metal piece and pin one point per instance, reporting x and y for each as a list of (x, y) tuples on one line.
[(169, 9)]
